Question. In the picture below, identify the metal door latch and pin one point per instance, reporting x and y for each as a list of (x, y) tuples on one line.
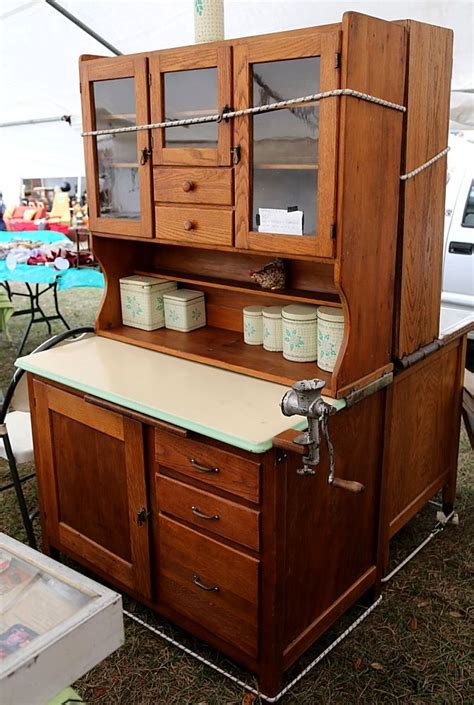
[(305, 399), (145, 154), (235, 152), (142, 516)]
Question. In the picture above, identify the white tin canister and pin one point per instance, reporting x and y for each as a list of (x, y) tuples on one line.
[(185, 310), (253, 325), (300, 332), (141, 298), (330, 334), (272, 329)]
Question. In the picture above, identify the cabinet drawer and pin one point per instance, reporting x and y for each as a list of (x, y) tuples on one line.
[(217, 468), (194, 226), (193, 185), (189, 563), (222, 517)]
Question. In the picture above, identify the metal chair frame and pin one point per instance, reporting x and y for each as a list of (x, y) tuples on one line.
[(17, 482)]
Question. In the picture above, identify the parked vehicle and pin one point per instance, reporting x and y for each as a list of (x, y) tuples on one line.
[(457, 298)]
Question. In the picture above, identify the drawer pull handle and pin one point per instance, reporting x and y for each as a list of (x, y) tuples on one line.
[(209, 517), (207, 588), (188, 186), (188, 225), (202, 468)]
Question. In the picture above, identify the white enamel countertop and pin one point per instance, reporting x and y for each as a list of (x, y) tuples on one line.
[(227, 406)]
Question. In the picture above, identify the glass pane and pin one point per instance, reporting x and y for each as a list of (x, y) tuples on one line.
[(119, 184), (32, 602), (189, 94), (285, 142)]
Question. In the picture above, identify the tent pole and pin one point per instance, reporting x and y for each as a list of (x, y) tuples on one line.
[(84, 27), (37, 121)]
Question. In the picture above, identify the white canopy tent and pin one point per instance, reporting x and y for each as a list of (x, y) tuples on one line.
[(39, 50)]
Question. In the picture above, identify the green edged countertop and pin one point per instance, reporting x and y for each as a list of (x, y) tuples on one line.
[(229, 407)]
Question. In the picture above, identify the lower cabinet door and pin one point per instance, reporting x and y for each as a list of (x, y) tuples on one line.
[(209, 583), (91, 477)]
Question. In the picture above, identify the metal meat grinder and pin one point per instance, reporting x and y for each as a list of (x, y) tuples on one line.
[(305, 399)]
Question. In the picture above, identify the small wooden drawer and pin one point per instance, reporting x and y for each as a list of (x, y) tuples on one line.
[(209, 583), (222, 517), (193, 185), (194, 226), (217, 468)]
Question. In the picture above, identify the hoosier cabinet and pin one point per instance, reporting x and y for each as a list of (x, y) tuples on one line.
[(164, 462)]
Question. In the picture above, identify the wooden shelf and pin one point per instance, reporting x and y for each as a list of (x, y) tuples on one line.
[(310, 297), (124, 165), (221, 348), (262, 166)]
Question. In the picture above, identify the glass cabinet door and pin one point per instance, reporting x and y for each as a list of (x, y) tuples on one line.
[(285, 147), (191, 83), (118, 165), (285, 182)]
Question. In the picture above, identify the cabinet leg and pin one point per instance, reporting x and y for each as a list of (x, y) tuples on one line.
[(270, 681), (449, 495)]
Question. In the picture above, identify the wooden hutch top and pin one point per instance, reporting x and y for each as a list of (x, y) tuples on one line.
[(372, 243)]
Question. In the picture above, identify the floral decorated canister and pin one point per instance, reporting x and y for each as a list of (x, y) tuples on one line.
[(330, 334), (253, 325), (299, 332), (272, 329), (185, 310), (141, 298)]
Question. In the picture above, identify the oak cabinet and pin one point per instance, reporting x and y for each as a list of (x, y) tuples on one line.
[(91, 473)]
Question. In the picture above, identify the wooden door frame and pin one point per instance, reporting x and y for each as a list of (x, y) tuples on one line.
[(186, 59), (135, 574), (109, 69), (326, 45)]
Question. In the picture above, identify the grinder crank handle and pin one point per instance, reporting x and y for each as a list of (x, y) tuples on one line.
[(349, 485)]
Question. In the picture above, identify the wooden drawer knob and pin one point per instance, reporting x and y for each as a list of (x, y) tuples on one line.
[(188, 225), (188, 186)]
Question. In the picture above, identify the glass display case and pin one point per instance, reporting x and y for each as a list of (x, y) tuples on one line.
[(55, 624)]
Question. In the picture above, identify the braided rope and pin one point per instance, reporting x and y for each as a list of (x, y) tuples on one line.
[(242, 683), (424, 166), (227, 115)]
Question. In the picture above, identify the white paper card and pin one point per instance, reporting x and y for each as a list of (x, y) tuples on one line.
[(280, 221)]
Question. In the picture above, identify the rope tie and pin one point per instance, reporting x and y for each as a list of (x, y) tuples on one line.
[(424, 166), (229, 114)]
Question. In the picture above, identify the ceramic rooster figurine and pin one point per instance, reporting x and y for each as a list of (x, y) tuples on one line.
[(272, 275)]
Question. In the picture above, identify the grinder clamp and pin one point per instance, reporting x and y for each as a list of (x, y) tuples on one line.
[(305, 399)]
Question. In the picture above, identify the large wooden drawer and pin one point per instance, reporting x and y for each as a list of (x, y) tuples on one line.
[(218, 515), (194, 226), (209, 583), (212, 186), (216, 467)]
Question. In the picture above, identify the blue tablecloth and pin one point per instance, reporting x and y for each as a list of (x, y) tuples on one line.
[(39, 274), (46, 236)]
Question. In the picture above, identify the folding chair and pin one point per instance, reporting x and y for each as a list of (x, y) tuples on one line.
[(16, 441)]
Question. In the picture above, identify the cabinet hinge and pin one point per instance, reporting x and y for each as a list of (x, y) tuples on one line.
[(337, 60), (332, 231), (281, 456)]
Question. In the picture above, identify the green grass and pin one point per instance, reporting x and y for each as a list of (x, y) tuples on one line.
[(416, 647)]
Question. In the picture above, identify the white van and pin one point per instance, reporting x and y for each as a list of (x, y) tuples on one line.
[(457, 298)]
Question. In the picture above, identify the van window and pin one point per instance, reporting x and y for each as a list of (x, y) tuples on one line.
[(468, 217)]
